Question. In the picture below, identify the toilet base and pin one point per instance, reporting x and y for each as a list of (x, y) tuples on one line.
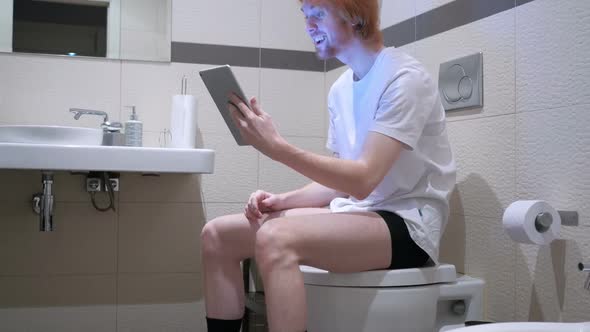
[(424, 308)]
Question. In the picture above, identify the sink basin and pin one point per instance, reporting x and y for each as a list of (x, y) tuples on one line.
[(527, 327), (57, 135), (56, 157), (57, 148)]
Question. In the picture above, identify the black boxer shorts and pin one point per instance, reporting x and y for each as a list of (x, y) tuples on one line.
[(405, 253)]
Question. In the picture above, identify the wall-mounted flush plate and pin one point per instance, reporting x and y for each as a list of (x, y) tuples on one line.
[(461, 82)]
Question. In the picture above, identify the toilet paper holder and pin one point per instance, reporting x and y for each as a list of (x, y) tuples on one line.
[(544, 220)]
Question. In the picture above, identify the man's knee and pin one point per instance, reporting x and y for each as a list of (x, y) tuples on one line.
[(211, 237), (275, 245)]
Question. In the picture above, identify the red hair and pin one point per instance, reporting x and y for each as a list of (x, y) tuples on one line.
[(363, 15)]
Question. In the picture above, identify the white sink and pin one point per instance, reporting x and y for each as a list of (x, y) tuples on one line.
[(53, 157), (58, 148), (526, 327), (56, 135)]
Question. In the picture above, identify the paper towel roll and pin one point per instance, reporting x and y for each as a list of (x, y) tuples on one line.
[(183, 122), (519, 222)]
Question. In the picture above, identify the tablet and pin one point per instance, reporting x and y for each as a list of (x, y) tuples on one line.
[(220, 81)]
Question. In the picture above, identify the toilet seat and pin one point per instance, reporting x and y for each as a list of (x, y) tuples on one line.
[(443, 273)]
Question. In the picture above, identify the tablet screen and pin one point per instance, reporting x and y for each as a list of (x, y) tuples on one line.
[(220, 81)]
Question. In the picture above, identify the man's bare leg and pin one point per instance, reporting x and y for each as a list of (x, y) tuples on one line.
[(225, 242), (338, 242)]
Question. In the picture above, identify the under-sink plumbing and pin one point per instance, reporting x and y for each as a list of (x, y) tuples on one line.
[(43, 203), (106, 182)]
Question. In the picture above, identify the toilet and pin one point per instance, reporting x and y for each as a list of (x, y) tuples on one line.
[(429, 299)]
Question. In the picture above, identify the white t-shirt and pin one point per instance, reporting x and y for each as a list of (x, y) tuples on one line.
[(397, 98)]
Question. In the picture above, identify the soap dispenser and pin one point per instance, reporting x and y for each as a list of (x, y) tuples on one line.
[(133, 129)]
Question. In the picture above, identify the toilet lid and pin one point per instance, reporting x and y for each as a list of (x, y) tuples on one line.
[(381, 278)]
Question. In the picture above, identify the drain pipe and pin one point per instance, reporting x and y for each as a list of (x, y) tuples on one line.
[(43, 203)]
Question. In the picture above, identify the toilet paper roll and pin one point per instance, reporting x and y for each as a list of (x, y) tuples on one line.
[(534, 222), (183, 122)]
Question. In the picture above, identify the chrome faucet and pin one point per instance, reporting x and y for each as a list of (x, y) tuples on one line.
[(585, 268), (105, 125), (111, 130), (78, 112)]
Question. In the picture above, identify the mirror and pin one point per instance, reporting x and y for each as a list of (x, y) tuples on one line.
[(114, 29)]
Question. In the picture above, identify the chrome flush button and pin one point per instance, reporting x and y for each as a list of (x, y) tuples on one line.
[(461, 82)]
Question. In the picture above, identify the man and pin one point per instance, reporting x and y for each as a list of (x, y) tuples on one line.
[(387, 185)]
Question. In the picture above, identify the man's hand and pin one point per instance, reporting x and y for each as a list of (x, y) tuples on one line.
[(256, 126), (259, 203)]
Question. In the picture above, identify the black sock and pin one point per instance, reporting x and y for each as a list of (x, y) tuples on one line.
[(223, 325)]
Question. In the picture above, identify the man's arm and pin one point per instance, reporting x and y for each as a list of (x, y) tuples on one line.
[(311, 195), (357, 178)]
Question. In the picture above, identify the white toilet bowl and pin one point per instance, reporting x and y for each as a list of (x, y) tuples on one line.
[(417, 300), (528, 327)]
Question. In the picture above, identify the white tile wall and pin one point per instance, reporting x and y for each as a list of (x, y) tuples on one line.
[(540, 276), (423, 6), (277, 178), (220, 22), (552, 47), (295, 100), (489, 254), (145, 33), (150, 86), (484, 153), (554, 158), (283, 26), (395, 11), (551, 126), (236, 171), (453, 243), (38, 89)]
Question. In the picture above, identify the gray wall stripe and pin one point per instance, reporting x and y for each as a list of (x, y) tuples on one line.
[(401, 33), (522, 2), (215, 54), (285, 59), (457, 13), (433, 22)]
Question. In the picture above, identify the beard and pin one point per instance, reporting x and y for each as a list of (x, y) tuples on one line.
[(326, 51), (334, 45)]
